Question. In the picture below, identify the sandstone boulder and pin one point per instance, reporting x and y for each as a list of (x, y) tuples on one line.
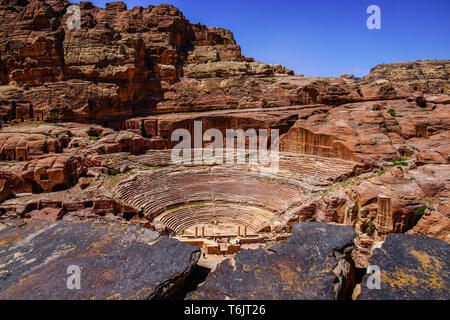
[(312, 264), (5, 189), (122, 141), (413, 267)]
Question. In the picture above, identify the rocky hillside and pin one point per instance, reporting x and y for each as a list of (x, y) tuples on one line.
[(86, 172), (152, 60)]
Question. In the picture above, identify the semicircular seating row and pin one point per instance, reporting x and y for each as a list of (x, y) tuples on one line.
[(308, 168), (207, 214), (163, 190)]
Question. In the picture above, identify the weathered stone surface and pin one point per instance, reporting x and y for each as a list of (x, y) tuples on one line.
[(371, 153), (433, 224), (119, 58), (372, 132), (45, 174), (5, 189), (123, 141), (240, 86), (412, 267), (53, 171), (162, 126), (131, 62), (26, 142), (421, 76), (397, 201), (438, 99), (310, 265), (117, 262)]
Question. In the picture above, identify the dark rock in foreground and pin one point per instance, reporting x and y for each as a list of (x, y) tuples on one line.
[(312, 264), (116, 261), (411, 267)]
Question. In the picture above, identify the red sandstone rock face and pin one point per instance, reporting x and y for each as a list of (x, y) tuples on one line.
[(145, 60), (22, 143), (389, 203), (52, 172), (31, 36), (165, 262), (162, 126), (119, 58), (433, 224), (5, 189), (368, 132), (45, 174), (429, 76), (124, 141), (394, 202), (148, 71)]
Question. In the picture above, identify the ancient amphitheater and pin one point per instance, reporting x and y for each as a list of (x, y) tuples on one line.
[(230, 201), (88, 176)]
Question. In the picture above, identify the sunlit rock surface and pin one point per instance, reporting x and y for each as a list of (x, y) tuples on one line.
[(116, 262), (411, 267)]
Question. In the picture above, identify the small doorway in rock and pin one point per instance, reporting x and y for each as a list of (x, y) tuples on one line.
[(60, 187), (128, 215), (35, 188), (44, 176)]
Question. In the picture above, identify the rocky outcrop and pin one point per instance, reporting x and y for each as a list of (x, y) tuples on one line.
[(123, 62), (119, 63), (55, 172), (395, 199), (162, 126), (124, 141), (429, 76), (5, 189), (303, 141), (246, 87), (24, 142), (398, 201), (312, 264), (46, 174), (115, 262), (373, 133), (87, 117), (411, 267), (433, 224)]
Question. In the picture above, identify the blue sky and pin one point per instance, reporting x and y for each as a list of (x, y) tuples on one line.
[(325, 37)]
